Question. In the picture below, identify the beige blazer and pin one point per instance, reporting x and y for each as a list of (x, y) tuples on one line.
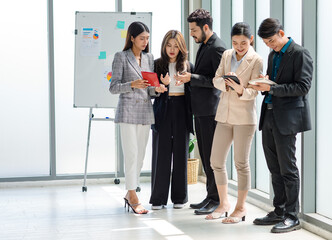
[(234, 109)]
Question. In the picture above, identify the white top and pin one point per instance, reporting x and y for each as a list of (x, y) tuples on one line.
[(172, 87)]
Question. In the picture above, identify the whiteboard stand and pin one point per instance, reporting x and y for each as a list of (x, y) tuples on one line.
[(91, 118)]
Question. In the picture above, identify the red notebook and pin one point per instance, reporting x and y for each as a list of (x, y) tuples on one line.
[(152, 78)]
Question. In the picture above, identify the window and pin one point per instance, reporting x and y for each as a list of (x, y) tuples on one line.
[(72, 123), (24, 98), (262, 172), (216, 6), (293, 28), (324, 115), (237, 11), (166, 16)]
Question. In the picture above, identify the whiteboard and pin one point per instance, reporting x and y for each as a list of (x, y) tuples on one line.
[(98, 36)]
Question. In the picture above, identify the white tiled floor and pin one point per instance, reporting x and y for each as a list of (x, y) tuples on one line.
[(65, 212)]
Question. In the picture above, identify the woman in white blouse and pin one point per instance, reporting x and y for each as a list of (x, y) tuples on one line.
[(173, 122)]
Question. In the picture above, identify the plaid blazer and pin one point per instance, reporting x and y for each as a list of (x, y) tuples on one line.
[(134, 105)]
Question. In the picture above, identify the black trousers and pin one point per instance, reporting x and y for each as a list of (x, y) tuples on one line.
[(280, 157), (171, 142), (204, 128)]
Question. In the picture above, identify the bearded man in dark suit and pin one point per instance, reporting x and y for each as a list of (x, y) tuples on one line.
[(204, 97)]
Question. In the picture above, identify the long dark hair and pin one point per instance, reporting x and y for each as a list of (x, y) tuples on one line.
[(181, 58), (135, 29), (242, 28)]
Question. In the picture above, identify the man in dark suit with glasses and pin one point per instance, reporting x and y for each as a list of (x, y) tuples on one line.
[(285, 112)]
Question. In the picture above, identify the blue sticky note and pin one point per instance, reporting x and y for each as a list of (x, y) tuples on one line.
[(120, 24), (102, 55)]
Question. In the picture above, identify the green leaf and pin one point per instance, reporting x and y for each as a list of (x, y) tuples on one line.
[(192, 144)]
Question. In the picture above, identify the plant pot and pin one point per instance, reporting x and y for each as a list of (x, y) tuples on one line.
[(192, 170)]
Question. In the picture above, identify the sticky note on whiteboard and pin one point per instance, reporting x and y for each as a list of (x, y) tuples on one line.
[(102, 55), (120, 24), (123, 33)]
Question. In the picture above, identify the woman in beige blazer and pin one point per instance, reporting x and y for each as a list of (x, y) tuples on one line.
[(236, 119)]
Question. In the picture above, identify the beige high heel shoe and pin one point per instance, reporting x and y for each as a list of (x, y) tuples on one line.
[(216, 215), (230, 220)]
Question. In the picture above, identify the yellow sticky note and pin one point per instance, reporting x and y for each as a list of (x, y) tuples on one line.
[(123, 33)]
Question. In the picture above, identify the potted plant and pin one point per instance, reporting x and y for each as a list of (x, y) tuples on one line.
[(193, 163)]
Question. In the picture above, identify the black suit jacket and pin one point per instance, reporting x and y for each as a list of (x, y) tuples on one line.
[(160, 103), (289, 97), (204, 96)]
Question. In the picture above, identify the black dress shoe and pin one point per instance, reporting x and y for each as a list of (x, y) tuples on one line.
[(207, 209), (270, 219), (201, 204), (287, 225)]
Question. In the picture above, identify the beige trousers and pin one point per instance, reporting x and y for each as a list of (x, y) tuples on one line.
[(224, 135)]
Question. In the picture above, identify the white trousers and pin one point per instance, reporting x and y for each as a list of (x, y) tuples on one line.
[(134, 138)]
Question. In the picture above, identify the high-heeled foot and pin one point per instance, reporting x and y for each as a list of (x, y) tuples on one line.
[(142, 211), (230, 220), (126, 203), (133, 206), (216, 215)]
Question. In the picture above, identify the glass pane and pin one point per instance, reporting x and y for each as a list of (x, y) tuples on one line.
[(160, 11), (293, 28), (237, 11), (216, 4), (162, 22), (72, 123), (293, 19), (262, 172), (324, 115), (24, 94)]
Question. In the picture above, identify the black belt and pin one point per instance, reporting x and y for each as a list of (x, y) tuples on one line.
[(269, 106), (176, 97)]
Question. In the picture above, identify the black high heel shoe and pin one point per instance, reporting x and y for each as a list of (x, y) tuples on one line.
[(126, 203), (143, 211)]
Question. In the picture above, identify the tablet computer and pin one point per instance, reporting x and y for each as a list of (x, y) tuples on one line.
[(262, 80), (152, 78), (234, 78)]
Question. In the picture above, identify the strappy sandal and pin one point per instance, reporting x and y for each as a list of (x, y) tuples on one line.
[(216, 215), (231, 220), (142, 211)]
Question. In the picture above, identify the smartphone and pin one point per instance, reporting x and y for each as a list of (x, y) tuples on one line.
[(234, 78)]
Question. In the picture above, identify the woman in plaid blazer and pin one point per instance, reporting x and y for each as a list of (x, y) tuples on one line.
[(134, 111)]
